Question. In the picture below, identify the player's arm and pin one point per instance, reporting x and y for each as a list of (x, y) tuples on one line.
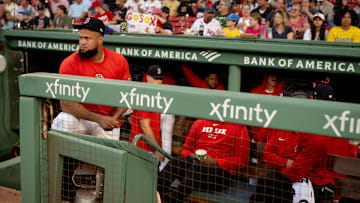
[(194, 80), (146, 128), (119, 111), (241, 151), (79, 111)]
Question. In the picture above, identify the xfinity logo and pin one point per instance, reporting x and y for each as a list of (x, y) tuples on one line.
[(56, 88), (256, 113), (154, 101), (344, 121)]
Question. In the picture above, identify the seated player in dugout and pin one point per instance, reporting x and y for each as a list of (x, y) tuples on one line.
[(211, 81), (300, 175), (334, 145), (272, 84), (148, 123), (92, 60), (212, 153)]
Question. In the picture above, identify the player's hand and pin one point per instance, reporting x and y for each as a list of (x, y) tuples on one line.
[(160, 157), (289, 163), (192, 157), (108, 123), (208, 160)]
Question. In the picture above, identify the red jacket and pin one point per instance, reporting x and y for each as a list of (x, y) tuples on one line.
[(196, 81), (227, 143), (260, 134), (307, 151)]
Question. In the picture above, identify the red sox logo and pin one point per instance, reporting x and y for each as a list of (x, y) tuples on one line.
[(86, 21), (159, 71)]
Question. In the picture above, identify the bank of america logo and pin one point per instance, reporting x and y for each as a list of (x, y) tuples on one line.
[(210, 55)]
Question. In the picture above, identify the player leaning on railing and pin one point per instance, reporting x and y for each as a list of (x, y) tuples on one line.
[(92, 60)]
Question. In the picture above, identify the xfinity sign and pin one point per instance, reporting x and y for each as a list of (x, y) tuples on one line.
[(255, 113), (345, 122)]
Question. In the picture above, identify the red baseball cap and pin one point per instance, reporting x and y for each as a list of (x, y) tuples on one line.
[(96, 4)]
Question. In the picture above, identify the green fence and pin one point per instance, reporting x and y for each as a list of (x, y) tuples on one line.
[(311, 116)]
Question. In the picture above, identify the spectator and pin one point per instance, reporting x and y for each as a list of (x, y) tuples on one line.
[(79, 9), (272, 85), (11, 7), (62, 20), (298, 23), (134, 5), (308, 11), (325, 7), (148, 123), (263, 9), (7, 21), (24, 4), (292, 2), (55, 3), (26, 22), (209, 25), (200, 7), (186, 8), (91, 11), (163, 26), (172, 5), (41, 21), (253, 4), (224, 12), (102, 14), (254, 30), (120, 12), (211, 81), (244, 21), (227, 150), (313, 5), (339, 6), (279, 5), (357, 8), (230, 30), (150, 5), (318, 30), (300, 160), (281, 29), (345, 30), (92, 60), (45, 6), (236, 7)]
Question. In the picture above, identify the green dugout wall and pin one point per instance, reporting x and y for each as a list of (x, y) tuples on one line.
[(333, 119)]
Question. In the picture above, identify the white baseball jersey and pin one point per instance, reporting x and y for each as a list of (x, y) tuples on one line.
[(149, 5), (210, 29), (132, 6)]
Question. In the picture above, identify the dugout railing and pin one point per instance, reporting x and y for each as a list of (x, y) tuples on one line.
[(39, 144), (28, 51)]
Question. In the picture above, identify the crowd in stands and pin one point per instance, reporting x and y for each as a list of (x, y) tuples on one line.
[(284, 19)]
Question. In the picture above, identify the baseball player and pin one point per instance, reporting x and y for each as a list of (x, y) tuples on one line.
[(271, 85), (300, 161), (211, 81), (148, 123), (92, 60), (226, 148), (167, 121)]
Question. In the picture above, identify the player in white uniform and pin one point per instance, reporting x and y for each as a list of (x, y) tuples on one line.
[(210, 25)]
